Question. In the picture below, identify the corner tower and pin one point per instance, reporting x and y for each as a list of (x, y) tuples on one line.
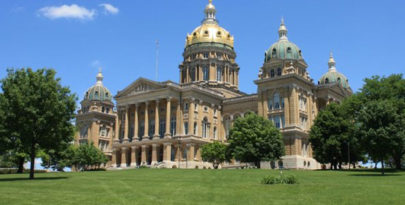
[(96, 119), (209, 56), (286, 97)]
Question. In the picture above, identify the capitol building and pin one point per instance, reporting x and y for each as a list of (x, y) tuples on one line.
[(165, 124)]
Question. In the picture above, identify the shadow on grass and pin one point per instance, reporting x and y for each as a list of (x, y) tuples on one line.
[(35, 179), (374, 175)]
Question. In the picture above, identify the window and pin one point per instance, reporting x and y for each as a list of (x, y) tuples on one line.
[(141, 130), (303, 103), (205, 55), (272, 73), (227, 126), (338, 79), (215, 112), (274, 53), (173, 126), (107, 110), (96, 94), (205, 109), (288, 50), (184, 153), (195, 107), (84, 132), (195, 128), (270, 103), (219, 56), (219, 73), (206, 73), (185, 107), (215, 133), (277, 121), (327, 80), (303, 122), (151, 128), (192, 74), (102, 131), (278, 71), (102, 109), (106, 94), (162, 128), (276, 101), (205, 128), (186, 128)]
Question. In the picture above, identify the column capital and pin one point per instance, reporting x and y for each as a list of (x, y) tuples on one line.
[(146, 103), (134, 147), (136, 105), (124, 148), (154, 145), (167, 143), (144, 146), (169, 98), (190, 144), (157, 101), (200, 101)]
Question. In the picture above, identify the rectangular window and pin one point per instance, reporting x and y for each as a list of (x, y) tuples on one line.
[(186, 128), (277, 121), (205, 55), (162, 128), (185, 107), (270, 103), (173, 126), (219, 73)]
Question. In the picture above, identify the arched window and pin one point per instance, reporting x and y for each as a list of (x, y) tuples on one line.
[(96, 94), (276, 99), (270, 103), (338, 79), (219, 73), (272, 73), (227, 125), (205, 128), (192, 74), (327, 80), (278, 71), (274, 53), (206, 73)]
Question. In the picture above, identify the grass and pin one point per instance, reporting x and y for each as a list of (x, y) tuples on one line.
[(175, 186)]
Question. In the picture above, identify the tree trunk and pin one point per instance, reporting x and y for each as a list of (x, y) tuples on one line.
[(20, 163), (397, 162), (257, 164), (32, 155), (340, 165), (335, 165), (382, 166)]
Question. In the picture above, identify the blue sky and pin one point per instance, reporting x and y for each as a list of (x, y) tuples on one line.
[(76, 37)]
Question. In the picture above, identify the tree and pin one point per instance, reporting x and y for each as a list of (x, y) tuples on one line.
[(59, 160), (214, 153), (37, 112), (378, 127), (392, 89), (254, 139), (332, 137), (87, 157)]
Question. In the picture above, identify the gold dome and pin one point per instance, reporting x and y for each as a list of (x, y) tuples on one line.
[(209, 31)]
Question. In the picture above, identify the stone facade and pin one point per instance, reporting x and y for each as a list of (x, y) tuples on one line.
[(165, 124)]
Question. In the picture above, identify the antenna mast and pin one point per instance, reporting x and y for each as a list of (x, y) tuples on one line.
[(157, 61)]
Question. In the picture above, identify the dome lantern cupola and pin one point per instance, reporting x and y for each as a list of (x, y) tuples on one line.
[(333, 76), (98, 91), (210, 13), (283, 49)]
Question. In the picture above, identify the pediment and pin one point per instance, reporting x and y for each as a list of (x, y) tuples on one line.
[(141, 85)]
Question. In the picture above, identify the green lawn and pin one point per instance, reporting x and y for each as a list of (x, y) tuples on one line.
[(175, 186)]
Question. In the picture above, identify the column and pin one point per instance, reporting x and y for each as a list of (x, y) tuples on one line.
[(114, 158), (146, 124), (198, 154), (168, 111), (126, 124), (167, 152), (177, 156), (265, 104), (154, 154), (190, 152), (117, 128), (260, 104), (179, 117), (156, 135), (191, 117), (124, 157), (143, 155), (136, 123), (133, 156)]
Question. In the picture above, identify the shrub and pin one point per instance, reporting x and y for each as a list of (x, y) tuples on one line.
[(281, 179)]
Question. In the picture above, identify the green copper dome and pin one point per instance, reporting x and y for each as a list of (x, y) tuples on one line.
[(283, 49), (98, 91), (333, 76)]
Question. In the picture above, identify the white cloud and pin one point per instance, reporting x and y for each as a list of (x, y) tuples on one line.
[(108, 8), (68, 11)]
